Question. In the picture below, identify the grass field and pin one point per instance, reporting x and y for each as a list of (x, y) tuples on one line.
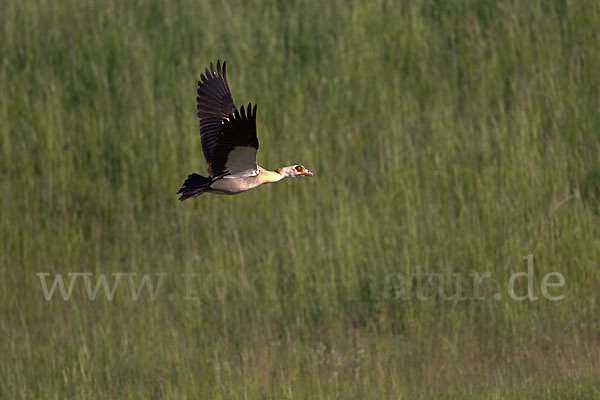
[(446, 137)]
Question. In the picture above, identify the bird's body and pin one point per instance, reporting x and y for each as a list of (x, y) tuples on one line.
[(238, 185), (229, 143)]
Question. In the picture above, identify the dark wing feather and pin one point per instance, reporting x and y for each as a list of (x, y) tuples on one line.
[(236, 147), (214, 105)]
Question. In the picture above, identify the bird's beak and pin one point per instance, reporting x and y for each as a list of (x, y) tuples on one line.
[(308, 173)]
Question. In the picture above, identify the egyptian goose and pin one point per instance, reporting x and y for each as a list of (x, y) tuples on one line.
[(229, 143)]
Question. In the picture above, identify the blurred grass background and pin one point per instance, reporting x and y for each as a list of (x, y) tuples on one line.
[(445, 137)]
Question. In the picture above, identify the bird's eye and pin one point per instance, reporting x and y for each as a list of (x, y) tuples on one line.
[(299, 168)]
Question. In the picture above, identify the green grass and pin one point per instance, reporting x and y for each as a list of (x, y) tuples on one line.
[(445, 137)]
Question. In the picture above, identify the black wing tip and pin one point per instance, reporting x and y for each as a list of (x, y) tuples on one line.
[(252, 111), (220, 68), (245, 112), (211, 71)]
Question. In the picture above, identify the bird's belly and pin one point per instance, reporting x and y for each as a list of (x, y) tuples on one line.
[(233, 185)]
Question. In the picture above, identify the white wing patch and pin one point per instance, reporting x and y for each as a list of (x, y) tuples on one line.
[(241, 162)]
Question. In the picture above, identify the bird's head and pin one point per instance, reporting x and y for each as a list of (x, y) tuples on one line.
[(295, 171)]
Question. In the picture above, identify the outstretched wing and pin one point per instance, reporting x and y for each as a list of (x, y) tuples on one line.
[(214, 105), (235, 152)]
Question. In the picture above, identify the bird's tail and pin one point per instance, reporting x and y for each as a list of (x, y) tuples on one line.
[(194, 186)]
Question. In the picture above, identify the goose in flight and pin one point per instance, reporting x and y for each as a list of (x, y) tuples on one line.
[(229, 143)]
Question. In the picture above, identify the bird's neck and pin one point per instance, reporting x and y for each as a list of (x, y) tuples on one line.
[(272, 176)]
